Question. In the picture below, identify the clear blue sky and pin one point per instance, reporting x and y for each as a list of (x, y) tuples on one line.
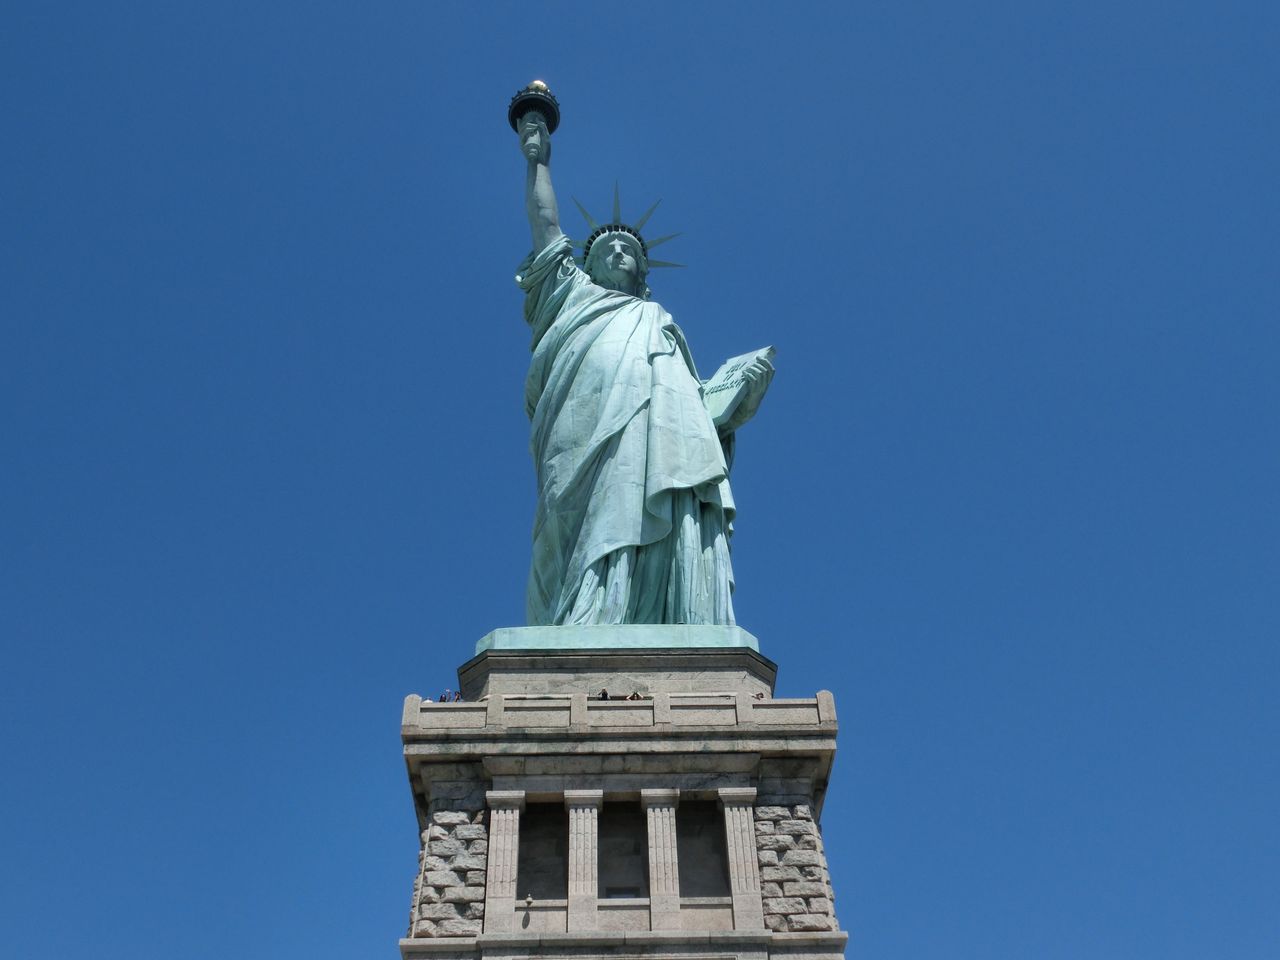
[(1013, 496)]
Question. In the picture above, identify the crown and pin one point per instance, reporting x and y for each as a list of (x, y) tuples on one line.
[(616, 225)]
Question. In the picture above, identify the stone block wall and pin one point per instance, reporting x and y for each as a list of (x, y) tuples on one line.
[(448, 893), (794, 881)]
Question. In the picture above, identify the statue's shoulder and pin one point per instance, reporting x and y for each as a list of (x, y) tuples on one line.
[(555, 260)]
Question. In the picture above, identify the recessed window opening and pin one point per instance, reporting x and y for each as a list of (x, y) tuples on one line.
[(701, 848), (624, 852), (543, 869)]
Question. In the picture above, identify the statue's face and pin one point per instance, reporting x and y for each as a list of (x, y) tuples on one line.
[(615, 263)]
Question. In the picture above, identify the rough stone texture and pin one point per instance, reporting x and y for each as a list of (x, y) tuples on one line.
[(780, 873), (445, 848), (810, 921), (792, 862), (458, 928), (802, 858), (821, 905), (775, 841), (464, 895), (772, 813), (805, 888), (448, 892), (795, 828), (437, 911)]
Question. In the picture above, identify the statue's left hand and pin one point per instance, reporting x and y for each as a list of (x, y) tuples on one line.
[(758, 374)]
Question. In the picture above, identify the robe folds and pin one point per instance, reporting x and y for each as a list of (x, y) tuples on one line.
[(634, 508)]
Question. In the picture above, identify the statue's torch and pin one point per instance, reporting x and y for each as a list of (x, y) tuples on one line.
[(535, 98)]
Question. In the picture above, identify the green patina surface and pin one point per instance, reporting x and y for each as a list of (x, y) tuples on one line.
[(633, 636), (634, 506)]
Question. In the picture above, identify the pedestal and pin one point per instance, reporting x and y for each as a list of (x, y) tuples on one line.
[(668, 741)]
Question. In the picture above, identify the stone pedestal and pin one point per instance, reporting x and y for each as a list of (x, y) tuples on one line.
[(672, 732)]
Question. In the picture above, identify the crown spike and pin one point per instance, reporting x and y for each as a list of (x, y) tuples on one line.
[(617, 204), (660, 240), (583, 210), (664, 263), (647, 214)]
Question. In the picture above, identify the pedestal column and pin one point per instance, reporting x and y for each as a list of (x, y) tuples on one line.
[(744, 868), (584, 874), (664, 874), (504, 850)]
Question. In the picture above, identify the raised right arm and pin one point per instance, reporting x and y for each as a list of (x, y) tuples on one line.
[(539, 197)]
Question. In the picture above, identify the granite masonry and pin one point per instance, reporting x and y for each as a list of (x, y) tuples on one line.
[(795, 884), (448, 895)]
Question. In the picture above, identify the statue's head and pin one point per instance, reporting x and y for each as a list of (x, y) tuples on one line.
[(616, 260), (616, 256)]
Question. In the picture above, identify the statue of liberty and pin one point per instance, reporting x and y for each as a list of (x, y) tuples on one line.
[(634, 507)]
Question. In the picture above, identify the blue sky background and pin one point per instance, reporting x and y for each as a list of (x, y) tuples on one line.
[(1012, 497)]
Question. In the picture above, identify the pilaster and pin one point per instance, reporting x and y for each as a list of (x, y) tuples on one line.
[(744, 869), (584, 827), (664, 874), (504, 850)]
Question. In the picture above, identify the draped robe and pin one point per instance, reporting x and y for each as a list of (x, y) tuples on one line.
[(634, 508)]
